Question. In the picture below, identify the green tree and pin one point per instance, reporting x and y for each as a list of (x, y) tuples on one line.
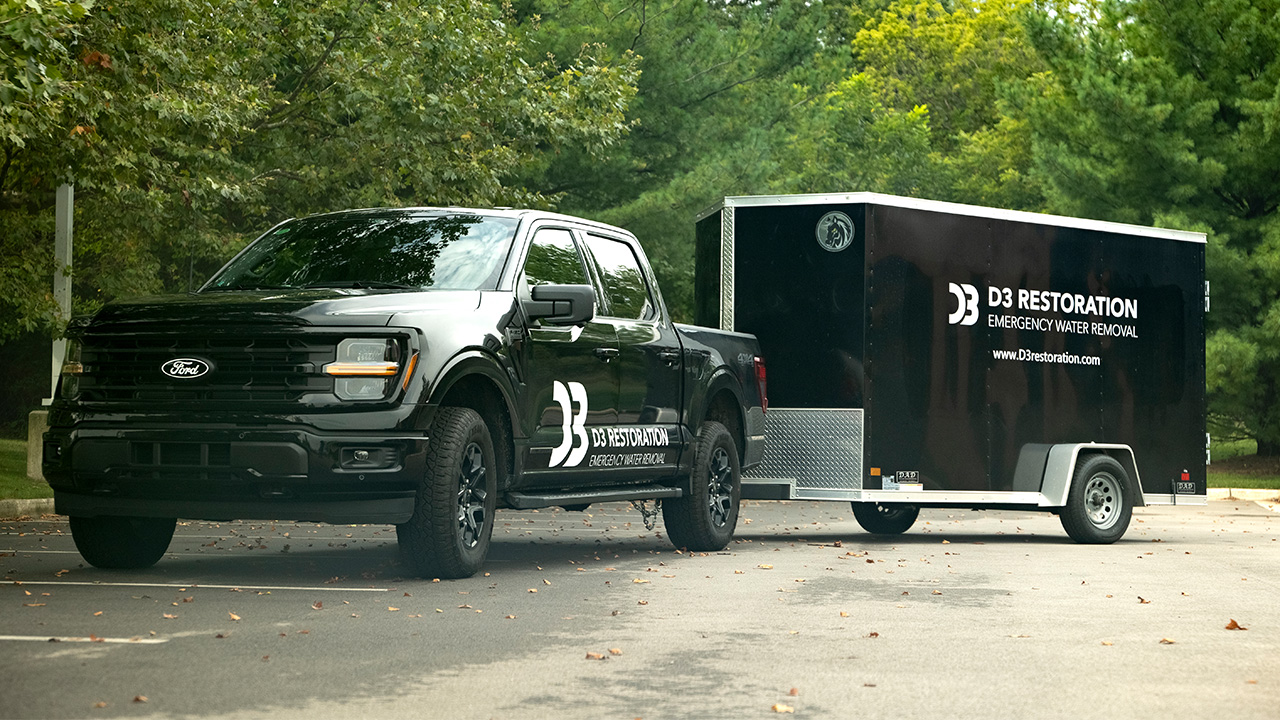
[(1169, 113), (186, 125), (713, 101)]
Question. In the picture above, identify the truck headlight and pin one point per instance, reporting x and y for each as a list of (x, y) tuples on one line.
[(364, 367), (72, 369)]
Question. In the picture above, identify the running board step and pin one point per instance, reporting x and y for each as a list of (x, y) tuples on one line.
[(528, 501)]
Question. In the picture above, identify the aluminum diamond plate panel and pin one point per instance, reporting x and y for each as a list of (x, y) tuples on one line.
[(726, 269), (817, 449)]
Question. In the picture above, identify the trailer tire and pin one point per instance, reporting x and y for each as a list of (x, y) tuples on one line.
[(1099, 504), (885, 518), (704, 519), (449, 533), (122, 543)]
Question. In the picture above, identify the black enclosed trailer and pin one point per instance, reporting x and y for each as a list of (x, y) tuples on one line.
[(924, 353)]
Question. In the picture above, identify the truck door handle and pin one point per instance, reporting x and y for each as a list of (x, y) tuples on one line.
[(606, 354), (669, 356)]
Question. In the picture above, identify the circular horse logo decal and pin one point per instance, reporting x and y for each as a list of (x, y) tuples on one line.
[(835, 231)]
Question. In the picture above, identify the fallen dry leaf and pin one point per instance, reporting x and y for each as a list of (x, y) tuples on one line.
[(1107, 643), (168, 616), (639, 581), (615, 651), (844, 614), (100, 704), (794, 692), (873, 634), (533, 590), (780, 708), (1233, 625), (32, 604), (221, 636), (392, 609), (1166, 641), (594, 656), (765, 567), (317, 605), (234, 616), (1143, 601), (100, 612), (642, 602), (511, 617), (139, 698)]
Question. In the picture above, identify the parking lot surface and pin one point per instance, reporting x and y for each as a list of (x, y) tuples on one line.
[(589, 615)]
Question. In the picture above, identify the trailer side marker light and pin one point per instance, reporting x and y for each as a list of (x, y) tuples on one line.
[(1186, 476), (875, 472)]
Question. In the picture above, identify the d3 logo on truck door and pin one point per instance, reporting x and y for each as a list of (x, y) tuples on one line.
[(966, 312), (574, 425)]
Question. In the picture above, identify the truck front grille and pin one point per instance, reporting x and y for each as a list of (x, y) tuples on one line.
[(120, 368)]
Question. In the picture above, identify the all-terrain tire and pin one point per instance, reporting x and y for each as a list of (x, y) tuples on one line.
[(885, 518), (1099, 504), (448, 535), (122, 543), (704, 520)]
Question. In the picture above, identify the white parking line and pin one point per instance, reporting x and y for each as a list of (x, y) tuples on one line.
[(95, 639), (194, 586)]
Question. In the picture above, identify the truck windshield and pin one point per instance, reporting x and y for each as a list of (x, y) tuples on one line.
[(385, 250)]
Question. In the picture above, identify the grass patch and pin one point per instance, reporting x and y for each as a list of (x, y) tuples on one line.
[(1227, 480), (1227, 449), (14, 483)]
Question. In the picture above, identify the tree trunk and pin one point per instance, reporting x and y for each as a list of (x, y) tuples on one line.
[(1268, 449)]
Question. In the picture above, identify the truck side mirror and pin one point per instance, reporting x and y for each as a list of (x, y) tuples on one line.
[(561, 304)]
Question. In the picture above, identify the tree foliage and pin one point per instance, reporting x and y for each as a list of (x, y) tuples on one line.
[(186, 125)]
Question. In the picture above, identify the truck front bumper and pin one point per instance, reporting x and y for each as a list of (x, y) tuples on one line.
[(212, 473)]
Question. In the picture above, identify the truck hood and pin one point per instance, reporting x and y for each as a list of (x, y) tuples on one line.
[(344, 307)]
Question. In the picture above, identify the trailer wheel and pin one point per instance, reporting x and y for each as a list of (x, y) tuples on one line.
[(448, 535), (885, 518), (1099, 504), (122, 543), (705, 519)]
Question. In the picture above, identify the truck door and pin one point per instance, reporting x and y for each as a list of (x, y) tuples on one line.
[(648, 436), (571, 376)]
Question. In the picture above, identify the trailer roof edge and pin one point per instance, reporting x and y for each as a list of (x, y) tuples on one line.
[(955, 209)]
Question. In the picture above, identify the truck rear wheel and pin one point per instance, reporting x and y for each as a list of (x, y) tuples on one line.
[(122, 543), (452, 523), (1099, 504), (885, 518), (705, 519)]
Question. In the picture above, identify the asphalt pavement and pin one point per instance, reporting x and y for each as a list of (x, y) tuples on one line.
[(590, 615)]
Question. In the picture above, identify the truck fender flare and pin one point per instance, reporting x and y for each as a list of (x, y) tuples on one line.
[(721, 379), (473, 362), (1059, 466)]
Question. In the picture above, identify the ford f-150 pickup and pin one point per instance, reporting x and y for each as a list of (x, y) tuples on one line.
[(420, 367)]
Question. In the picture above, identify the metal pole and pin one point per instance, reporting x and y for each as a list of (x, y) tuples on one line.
[(63, 215)]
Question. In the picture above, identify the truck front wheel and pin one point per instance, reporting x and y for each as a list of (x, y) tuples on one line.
[(705, 519), (1099, 505), (449, 532), (885, 518), (122, 543)]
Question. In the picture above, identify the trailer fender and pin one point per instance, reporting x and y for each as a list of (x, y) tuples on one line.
[(1059, 463)]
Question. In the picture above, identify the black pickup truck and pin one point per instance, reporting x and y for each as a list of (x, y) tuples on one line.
[(421, 367)]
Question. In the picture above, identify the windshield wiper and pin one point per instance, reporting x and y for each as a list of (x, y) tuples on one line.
[(362, 284), (230, 288)]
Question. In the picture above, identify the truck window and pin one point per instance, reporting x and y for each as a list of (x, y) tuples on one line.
[(377, 249), (554, 260), (623, 280)]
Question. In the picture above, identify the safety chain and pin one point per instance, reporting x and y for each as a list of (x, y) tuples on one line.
[(650, 515)]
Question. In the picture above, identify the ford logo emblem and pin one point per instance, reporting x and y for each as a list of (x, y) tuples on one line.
[(184, 368)]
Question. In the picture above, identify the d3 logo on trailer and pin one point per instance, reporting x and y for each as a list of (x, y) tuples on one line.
[(568, 452), (966, 312)]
